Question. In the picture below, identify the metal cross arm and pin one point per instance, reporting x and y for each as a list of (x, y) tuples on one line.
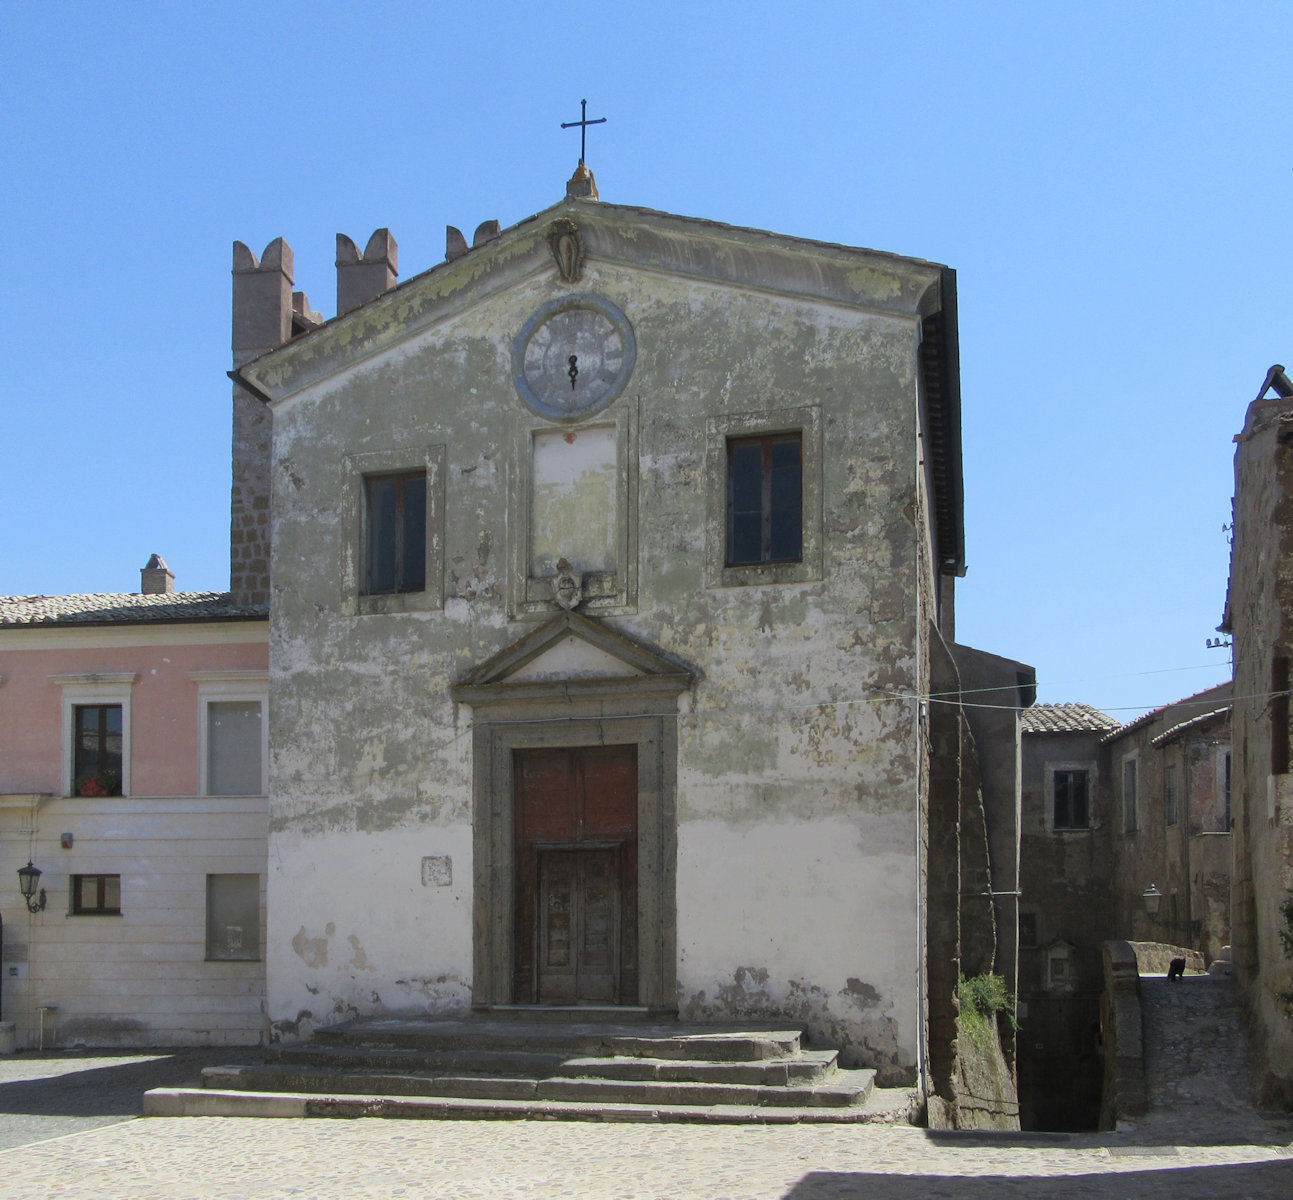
[(583, 124)]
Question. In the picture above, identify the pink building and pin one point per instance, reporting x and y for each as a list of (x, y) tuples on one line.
[(132, 768)]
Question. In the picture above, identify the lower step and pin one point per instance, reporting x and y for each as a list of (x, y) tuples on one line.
[(841, 1089), (889, 1106)]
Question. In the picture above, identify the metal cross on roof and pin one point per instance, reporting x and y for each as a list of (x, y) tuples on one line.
[(583, 124)]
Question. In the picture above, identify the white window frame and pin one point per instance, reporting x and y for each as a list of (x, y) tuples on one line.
[(99, 687), (1092, 781), (259, 926), (218, 686)]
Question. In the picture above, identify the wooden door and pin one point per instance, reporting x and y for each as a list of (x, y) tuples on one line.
[(576, 876)]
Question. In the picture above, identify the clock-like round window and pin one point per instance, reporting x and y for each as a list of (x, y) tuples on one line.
[(573, 357)]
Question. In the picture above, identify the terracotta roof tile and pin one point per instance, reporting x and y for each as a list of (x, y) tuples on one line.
[(1066, 718), (1206, 700), (127, 608)]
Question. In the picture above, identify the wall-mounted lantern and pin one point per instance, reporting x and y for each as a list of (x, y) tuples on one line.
[(1152, 898), (28, 878)]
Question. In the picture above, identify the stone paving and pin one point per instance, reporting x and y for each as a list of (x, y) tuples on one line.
[(239, 1158)]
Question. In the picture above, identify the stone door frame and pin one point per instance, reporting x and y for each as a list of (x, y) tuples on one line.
[(494, 851)]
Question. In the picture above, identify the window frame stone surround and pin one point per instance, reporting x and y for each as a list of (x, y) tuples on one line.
[(806, 420)]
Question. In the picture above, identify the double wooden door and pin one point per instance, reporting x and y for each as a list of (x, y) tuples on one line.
[(576, 875)]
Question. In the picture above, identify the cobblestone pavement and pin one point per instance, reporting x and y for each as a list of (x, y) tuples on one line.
[(60, 1092), (243, 1158)]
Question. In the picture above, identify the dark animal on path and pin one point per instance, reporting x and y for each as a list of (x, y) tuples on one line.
[(1176, 968)]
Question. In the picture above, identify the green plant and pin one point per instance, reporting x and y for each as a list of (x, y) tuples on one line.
[(983, 998)]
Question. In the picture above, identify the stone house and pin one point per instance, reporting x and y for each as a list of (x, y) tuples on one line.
[(611, 562), (1169, 779), (1110, 812), (1259, 602), (1066, 912), (132, 760)]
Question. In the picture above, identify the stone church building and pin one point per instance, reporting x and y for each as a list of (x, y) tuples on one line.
[(607, 562)]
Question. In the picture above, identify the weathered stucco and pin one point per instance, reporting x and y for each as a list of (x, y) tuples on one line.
[(795, 763)]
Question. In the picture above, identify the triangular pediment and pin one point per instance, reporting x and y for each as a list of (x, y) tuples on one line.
[(572, 654), (621, 235)]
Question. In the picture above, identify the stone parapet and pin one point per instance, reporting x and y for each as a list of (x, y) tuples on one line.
[(1125, 1094)]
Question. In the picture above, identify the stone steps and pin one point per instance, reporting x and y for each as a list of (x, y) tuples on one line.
[(807, 1066), (600, 1069), (843, 1089), (590, 1038)]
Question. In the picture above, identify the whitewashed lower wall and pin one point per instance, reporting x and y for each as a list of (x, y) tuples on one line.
[(814, 921), (363, 923), (141, 978)]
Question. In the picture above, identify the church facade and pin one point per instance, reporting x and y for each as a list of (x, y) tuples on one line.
[(606, 559)]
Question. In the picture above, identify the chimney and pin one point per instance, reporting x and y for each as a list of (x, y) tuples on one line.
[(155, 578), (262, 321), (363, 277)]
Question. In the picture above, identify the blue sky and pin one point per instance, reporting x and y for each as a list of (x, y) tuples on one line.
[(1111, 182)]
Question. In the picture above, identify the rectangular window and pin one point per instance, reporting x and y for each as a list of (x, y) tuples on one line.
[(765, 521), (233, 918), (1129, 816), (1028, 929), (233, 748), (96, 895), (1071, 804), (96, 750), (1169, 794), (395, 533)]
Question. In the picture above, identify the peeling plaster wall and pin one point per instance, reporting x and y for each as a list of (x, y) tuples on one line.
[(797, 781), (1259, 603)]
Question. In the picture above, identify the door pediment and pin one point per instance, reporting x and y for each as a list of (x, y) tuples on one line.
[(572, 655)]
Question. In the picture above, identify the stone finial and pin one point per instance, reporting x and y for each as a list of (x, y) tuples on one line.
[(486, 231), (455, 245), (155, 578), (582, 185), (363, 277)]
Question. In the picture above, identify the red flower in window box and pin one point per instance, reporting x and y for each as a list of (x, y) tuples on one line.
[(90, 786)]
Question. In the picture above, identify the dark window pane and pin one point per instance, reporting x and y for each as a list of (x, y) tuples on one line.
[(764, 500), (1071, 800), (747, 479), (381, 535), (395, 533), (747, 538), (1078, 805), (96, 750), (415, 535), (787, 518)]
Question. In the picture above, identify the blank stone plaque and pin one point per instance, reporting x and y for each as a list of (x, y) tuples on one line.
[(437, 871)]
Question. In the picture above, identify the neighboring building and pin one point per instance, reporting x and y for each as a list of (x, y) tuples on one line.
[(1109, 813), (610, 561), (1259, 609), (1169, 775), (1066, 912), (132, 767)]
